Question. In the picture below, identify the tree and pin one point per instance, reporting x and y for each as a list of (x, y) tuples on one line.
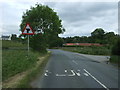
[(99, 32), (14, 37), (58, 42), (43, 20), (110, 38), (98, 35), (37, 43)]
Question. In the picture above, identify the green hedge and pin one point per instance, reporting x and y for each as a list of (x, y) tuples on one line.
[(115, 59), (94, 50)]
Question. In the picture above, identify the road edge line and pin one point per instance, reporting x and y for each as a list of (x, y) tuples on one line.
[(96, 79)]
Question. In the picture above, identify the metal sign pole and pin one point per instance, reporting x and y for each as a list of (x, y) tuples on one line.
[(28, 45)]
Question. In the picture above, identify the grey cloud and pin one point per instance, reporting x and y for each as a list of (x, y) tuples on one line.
[(78, 12), (10, 29), (78, 18)]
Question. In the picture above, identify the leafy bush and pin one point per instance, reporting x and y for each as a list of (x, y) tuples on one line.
[(116, 52), (115, 59), (116, 48)]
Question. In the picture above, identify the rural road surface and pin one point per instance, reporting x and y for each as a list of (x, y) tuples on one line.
[(70, 70)]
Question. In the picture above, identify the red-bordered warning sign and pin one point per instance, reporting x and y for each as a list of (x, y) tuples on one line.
[(28, 30)]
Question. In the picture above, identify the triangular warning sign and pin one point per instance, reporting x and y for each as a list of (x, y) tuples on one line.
[(27, 30)]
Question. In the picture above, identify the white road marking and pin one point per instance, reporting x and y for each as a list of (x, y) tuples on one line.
[(85, 74), (73, 73), (60, 75), (78, 74), (65, 70), (45, 74), (96, 79), (46, 70), (75, 62)]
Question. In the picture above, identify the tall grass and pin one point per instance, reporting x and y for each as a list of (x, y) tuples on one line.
[(16, 61)]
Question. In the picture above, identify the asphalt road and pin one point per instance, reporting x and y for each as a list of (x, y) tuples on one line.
[(70, 70)]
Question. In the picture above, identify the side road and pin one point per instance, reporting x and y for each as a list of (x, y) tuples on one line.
[(96, 57)]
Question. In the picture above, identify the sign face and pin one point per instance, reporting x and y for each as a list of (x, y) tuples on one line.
[(27, 30)]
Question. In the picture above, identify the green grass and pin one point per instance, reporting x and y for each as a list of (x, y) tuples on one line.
[(35, 72), (16, 61), (12, 44), (93, 50)]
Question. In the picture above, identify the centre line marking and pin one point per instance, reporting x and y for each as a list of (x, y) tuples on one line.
[(96, 79), (75, 62)]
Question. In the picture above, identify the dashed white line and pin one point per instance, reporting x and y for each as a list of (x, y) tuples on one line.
[(75, 62), (96, 79)]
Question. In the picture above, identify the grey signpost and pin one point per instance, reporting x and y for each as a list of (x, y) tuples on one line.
[(28, 29)]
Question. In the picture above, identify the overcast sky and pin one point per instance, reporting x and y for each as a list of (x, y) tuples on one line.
[(78, 18)]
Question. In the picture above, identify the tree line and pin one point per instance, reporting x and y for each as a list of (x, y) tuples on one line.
[(97, 36)]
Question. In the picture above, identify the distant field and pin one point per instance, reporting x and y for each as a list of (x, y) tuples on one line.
[(93, 50), (12, 44), (16, 61)]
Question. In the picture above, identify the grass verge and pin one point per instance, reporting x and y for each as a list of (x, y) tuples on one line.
[(17, 61), (17, 67), (38, 70), (22, 80), (115, 59)]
